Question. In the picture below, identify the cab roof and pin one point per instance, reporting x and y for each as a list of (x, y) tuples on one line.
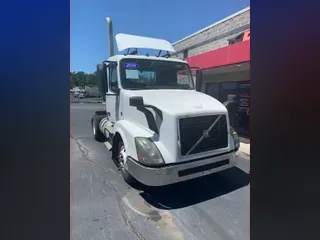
[(117, 58)]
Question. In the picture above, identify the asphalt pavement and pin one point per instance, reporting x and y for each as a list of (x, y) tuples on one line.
[(105, 207)]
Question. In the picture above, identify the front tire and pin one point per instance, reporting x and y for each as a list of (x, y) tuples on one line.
[(128, 178)]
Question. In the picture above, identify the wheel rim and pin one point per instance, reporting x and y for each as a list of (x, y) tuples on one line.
[(120, 157)]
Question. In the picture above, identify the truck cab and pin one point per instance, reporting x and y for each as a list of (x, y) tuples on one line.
[(159, 129)]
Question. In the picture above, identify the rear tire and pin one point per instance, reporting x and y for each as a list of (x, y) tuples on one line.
[(97, 134), (128, 178)]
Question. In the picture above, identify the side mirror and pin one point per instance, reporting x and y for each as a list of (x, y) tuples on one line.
[(136, 101), (199, 79), (102, 78)]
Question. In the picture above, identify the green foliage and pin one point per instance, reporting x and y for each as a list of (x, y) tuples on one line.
[(81, 79)]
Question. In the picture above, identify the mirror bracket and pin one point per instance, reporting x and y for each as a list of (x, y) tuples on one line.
[(116, 90)]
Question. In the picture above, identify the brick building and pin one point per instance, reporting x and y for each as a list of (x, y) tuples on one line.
[(222, 51)]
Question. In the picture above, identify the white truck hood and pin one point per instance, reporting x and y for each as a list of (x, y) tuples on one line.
[(173, 104), (181, 102)]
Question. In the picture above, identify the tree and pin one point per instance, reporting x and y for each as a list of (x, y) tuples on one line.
[(82, 79)]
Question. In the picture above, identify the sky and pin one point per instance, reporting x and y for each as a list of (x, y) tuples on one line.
[(166, 19)]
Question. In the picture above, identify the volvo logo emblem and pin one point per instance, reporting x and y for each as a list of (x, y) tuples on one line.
[(206, 134)]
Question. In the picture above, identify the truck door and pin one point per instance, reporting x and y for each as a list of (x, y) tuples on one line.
[(112, 96)]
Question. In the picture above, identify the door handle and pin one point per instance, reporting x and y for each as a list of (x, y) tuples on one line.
[(108, 114)]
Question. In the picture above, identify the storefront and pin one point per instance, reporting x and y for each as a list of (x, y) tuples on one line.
[(229, 78), (224, 58)]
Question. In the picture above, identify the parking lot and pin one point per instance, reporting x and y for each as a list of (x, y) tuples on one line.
[(91, 99), (105, 207)]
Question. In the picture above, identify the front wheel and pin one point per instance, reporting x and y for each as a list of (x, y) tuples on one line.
[(120, 160)]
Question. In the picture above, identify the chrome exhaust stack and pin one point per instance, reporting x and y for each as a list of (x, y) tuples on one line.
[(110, 32)]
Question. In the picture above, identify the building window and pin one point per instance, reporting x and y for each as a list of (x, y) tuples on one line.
[(221, 91), (244, 98), (226, 89), (213, 89), (243, 112)]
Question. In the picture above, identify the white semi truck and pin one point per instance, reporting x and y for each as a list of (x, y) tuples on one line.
[(159, 129)]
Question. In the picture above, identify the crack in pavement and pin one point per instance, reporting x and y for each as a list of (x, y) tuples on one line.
[(122, 211), (83, 150), (84, 154)]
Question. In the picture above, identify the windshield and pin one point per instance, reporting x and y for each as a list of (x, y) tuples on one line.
[(137, 74)]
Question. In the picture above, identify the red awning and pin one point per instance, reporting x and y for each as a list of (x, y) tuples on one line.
[(232, 54)]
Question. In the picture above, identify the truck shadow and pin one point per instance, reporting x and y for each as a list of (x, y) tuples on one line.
[(195, 191)]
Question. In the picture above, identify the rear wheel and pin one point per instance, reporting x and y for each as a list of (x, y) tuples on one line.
[(120, 160), (98, 135)]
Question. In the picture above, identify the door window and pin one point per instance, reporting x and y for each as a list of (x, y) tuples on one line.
[(113, 78)]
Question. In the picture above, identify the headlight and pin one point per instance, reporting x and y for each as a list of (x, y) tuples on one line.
[(235, 138), (148, 152)]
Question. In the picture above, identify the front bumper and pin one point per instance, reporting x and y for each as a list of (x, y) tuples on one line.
[(179, 172)]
